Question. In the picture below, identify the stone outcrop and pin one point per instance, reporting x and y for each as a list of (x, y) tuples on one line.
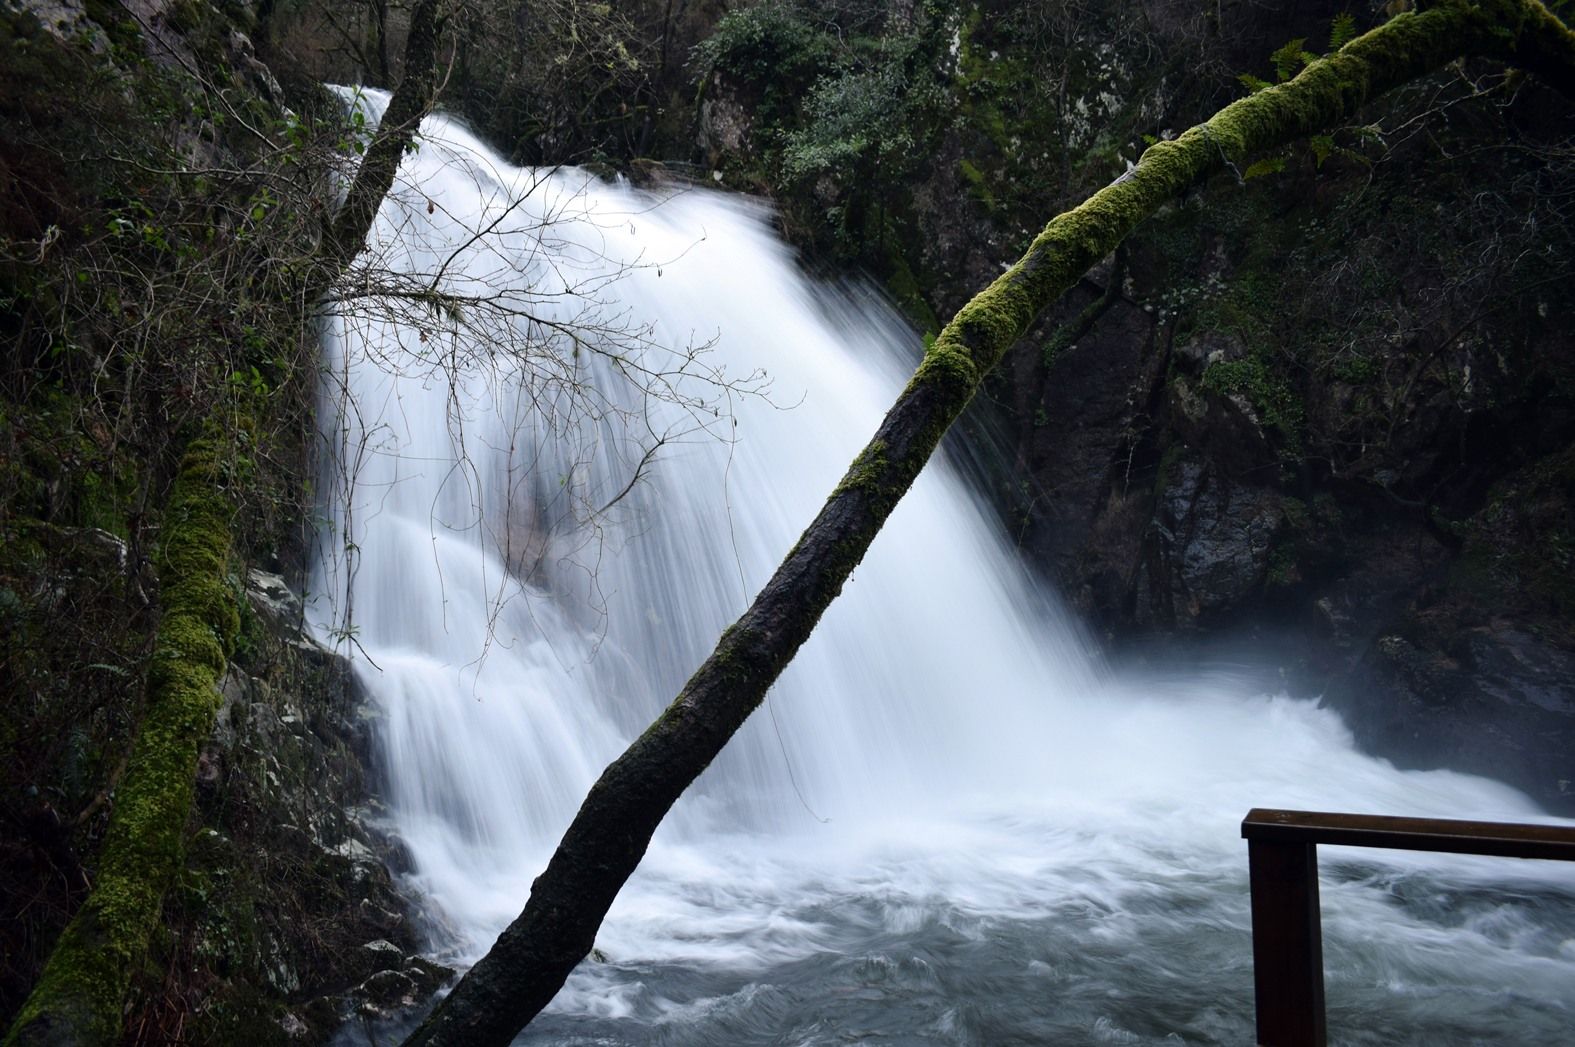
[(291, 897)]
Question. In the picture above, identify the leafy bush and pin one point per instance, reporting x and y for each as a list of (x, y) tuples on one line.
[(773, 41)]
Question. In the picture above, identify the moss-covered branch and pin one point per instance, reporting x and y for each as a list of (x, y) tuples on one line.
[(80, 996), (609, 835)]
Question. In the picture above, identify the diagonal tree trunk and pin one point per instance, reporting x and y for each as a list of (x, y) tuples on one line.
[(80, 996), (535, 954), (345, 236)]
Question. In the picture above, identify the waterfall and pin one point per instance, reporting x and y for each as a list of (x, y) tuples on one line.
[(951, 822)]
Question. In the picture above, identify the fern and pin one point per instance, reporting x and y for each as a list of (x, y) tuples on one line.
[(1267, 166), (1322, 146), (1294, 56), (1342, 30), (1254, 84), (1288, 60)]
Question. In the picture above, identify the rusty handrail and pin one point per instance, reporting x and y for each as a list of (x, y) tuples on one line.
[(1287, 939)]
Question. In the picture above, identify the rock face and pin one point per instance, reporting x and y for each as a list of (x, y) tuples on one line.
[(1070, 448), (1476, 671), (1389, 484), (1208, 545), (287, 910), (286, 876), (290, 903), (1497, 702)]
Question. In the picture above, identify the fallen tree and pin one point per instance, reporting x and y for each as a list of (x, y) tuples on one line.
[(609, 835)]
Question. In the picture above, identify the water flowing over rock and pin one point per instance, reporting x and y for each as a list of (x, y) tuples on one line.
[(953, 822)]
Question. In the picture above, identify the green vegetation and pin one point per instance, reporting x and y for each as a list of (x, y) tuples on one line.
[(774, 47), (1270, 395), (842, 114), (154, 261)]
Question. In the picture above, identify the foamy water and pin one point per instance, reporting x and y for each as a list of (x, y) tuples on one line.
[(953, 823)]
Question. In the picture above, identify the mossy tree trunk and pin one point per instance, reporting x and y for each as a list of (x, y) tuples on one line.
[(609, 835), (80, 996)]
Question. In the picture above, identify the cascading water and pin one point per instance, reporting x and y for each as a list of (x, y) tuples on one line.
[(952, 823)]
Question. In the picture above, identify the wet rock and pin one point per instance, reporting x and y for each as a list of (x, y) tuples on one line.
[(376, 917), (1208, 547), (255, 74), (375, 956), (68, 22), (301, 854), (294, 1026), (273, 599), (1497, 701), (1082, 413), (386, 992), (1209, 347), (428, 976), (210, 767), (725, 124), (295, 842), (322, 1016), (1224, 428), (397, 855)]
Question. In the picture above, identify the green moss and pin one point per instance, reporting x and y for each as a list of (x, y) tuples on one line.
[(101, 506), (55, 471), (987, 87), (868, 471), (978, 185), (85, 981), (1270, 394), (948, 362), (904, 286)]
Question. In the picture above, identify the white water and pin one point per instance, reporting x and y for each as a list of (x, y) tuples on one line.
[(953, 824)]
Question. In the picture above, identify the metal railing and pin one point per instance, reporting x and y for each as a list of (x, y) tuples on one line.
[(1287, 939)]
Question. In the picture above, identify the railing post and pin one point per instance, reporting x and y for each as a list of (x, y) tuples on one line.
[(1287, 939), (1287, 943)]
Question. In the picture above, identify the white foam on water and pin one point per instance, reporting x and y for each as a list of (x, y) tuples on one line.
[(948, 755)]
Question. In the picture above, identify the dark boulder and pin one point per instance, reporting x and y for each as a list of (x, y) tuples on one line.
[(1498, 701)]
